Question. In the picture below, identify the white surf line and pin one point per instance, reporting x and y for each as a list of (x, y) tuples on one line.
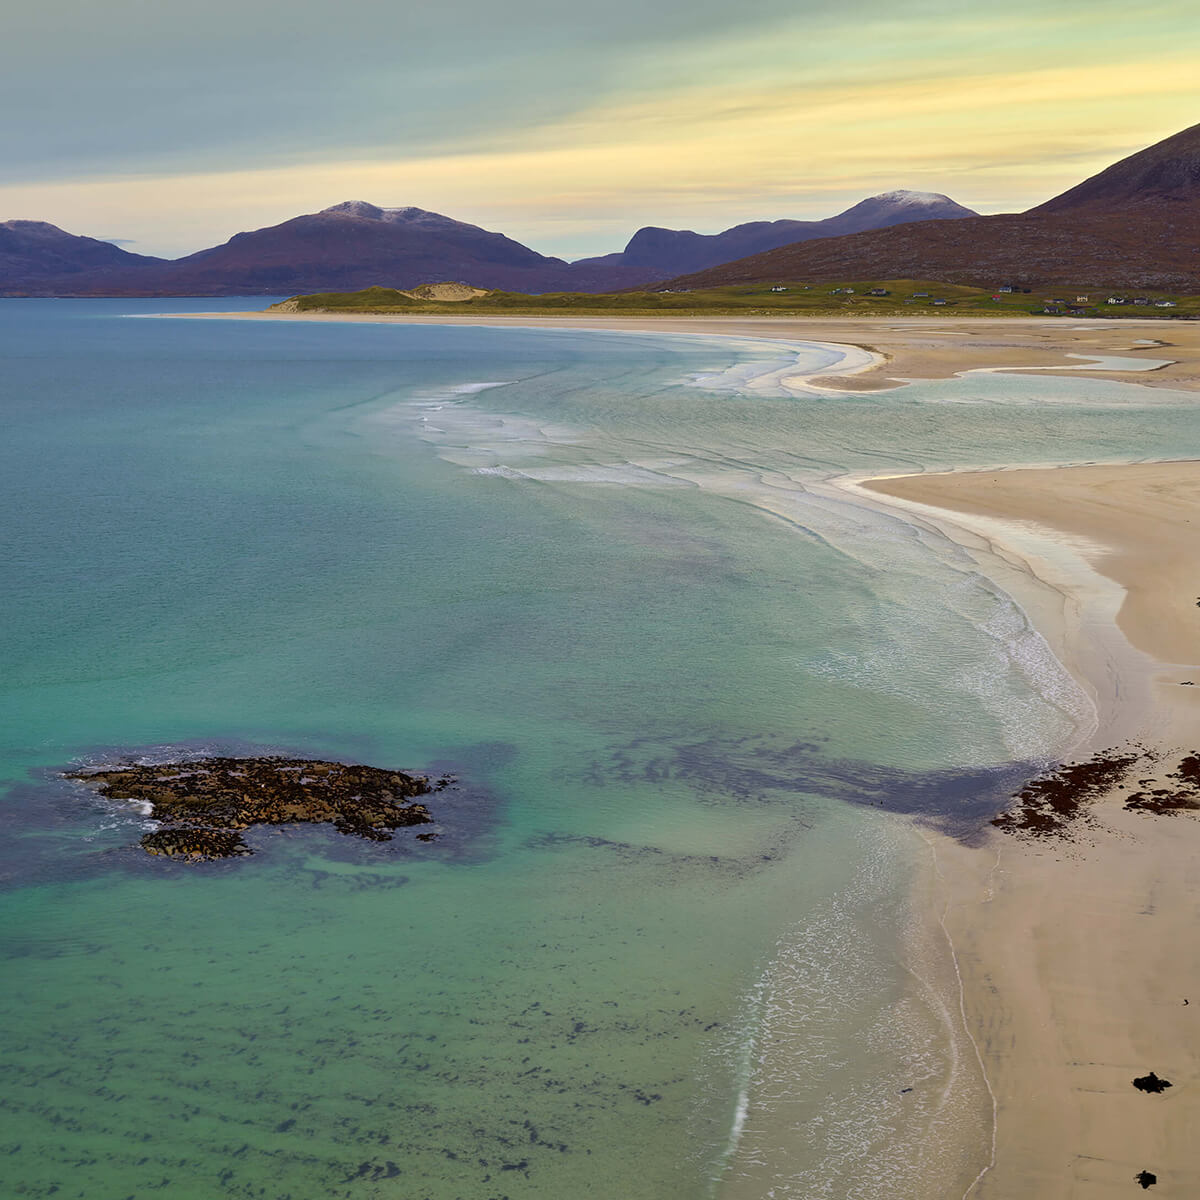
[(855, 360), (1031, 555), (852, 359)]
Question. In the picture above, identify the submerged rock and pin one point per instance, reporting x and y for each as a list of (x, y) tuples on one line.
[(195, 845), (202, 803)]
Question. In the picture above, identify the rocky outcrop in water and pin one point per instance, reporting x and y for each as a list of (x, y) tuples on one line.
[(204, 803)]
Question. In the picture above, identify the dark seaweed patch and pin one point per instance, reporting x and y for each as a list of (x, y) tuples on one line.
[(1048, 804), (1052, 803)]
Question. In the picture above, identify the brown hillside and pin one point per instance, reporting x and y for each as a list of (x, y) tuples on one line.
[(1141, 246), (1134, 225), (1167, 172)]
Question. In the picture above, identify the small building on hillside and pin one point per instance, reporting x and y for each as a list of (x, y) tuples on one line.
[(1164, 304), (1115, 300), (878, 292)]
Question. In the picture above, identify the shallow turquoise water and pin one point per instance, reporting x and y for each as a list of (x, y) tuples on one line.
[(676, 684)]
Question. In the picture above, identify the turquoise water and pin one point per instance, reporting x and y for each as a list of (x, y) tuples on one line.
[(685, 690)]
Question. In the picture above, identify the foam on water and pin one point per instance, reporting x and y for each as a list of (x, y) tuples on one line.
[(790, 370), (1033, 699), (815, 1119)]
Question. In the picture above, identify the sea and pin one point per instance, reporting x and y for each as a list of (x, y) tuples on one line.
[(703, 712)]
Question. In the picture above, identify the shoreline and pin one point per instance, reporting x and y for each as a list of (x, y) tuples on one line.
[(1046, 955), (1146, 352), (1073, 952)]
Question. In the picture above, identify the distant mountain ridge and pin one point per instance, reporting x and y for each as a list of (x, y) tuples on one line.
[(354, 245), (665, 252), (36, 250), (1135, 224)]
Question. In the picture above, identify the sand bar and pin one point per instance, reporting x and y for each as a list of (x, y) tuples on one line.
[(1077, 956)]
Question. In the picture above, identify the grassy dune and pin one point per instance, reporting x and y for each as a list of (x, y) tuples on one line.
[(905, 297)]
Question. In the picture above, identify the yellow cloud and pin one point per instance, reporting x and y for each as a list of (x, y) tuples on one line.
[(703, 155)]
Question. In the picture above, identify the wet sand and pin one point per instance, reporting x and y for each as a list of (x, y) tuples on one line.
[(1077, 955)]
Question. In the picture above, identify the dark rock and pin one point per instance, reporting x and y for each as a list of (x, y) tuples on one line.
[(1151, 1083), (204, 802), (1146, 1179), (196, 845)]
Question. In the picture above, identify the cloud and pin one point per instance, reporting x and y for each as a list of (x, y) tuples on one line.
[(132, 86), (569, 129)]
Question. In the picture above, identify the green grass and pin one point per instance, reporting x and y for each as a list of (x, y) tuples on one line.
[(823, 299)]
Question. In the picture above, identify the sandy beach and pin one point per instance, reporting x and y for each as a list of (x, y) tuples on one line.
[(1076, 952), (1153, 353)]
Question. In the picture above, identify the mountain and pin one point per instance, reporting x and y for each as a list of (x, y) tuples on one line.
[(350, 246), (32, 251), (1164, 174), (355, 245), (659, 253), (1134, 225)]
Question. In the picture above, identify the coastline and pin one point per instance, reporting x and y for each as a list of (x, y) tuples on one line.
[(1064, 956), (1073, 953), (1164, 354)]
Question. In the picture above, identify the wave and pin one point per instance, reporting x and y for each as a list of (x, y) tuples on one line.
[(793, 371)]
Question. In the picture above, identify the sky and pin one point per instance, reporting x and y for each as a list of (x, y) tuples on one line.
[(171, 126)]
